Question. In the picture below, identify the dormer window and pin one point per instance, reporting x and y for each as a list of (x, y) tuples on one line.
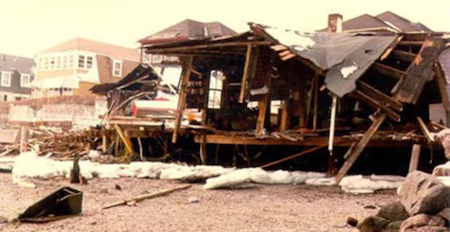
[(5, 79), (117, 68), (25, 80)]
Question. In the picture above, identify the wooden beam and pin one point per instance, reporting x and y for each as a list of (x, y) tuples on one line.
[(388, 71), (125, 140), (442, 85), (284, 116), (411, 43), (354, 151), (182, 98), (415, 155), (404, 56), (316, 101), (391, 47), (287, 57), (420, 71), (380, 96), (425, 130), (262, 107), (376, 105), (294, 156), (251, 61), (203, 150), (202, 46), (278, 47)]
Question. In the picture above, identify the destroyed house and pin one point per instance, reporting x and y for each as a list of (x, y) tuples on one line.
[(270, 86)]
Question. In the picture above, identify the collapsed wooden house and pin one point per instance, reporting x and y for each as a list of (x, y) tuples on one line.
[(328, 86)]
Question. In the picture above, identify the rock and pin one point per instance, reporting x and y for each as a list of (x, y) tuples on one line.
[(373, 224), (444, 137), (104, 191), (352, 221), (412, 224), (423, 193), (393, 226), (193, 200), (393, 212), (442, 170), (445, 213), (117, 187)]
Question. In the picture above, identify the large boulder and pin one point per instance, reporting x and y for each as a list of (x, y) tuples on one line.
[(424, 222), (373, 224), (423, 193)]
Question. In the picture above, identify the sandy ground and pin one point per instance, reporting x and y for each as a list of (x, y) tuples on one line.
[(254, 208)]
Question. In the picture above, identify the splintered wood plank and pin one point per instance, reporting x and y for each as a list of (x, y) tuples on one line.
[(182, 98), (420, 71), (376, 105), (415, 155), (125, 140), (391, 48), (294, 156), (388, 71), (354, 151), (404, 56), (284, 116), (278, 47), (379, 96), (251, 61)]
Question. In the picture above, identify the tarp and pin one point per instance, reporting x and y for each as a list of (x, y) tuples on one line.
[(71, 82), (344, 56)]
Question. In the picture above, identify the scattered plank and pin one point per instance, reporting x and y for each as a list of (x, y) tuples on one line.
[(147, 196), (354, 151)]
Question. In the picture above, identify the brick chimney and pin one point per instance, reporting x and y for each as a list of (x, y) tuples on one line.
[(334, 23)]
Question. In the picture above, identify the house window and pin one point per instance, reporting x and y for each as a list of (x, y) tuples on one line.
[(25, 80), (64, 63), (58, 62), (70, 65), (6, 79), (85, 62), (117, 68), (81, 61), (46, 63), (88, 62), (215, 89)]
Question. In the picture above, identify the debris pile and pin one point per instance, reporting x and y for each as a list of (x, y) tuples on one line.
[(424, 206), (55, 142)]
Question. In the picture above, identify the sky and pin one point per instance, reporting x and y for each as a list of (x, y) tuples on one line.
[(31, 26)]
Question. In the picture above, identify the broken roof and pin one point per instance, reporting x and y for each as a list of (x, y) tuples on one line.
[(344, 56), (186, 30), (132, 81), (9, 63)]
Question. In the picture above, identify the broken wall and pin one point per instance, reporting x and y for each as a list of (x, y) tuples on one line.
[(77, 112)]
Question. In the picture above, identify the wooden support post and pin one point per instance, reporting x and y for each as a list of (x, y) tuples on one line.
[(354, 151), (316, 97), (182, 97), (284, 116), (23, 139), (203, 149), (442, 84), (262, 106), (125, 140), (104, 142), (216, 160), (415, 155), (251, 60)]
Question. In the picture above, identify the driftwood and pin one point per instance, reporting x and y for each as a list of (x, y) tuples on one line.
[(147, 196)]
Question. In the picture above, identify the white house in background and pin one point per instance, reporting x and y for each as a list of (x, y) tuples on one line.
[(73, 67)]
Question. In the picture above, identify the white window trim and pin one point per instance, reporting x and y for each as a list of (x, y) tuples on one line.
[(114, 68), (22, 76), (9, 81)]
